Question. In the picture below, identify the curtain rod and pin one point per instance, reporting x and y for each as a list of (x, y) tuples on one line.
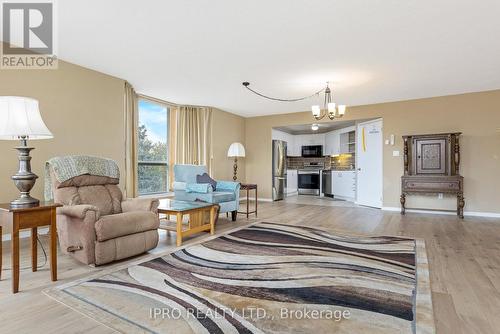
[(171, 104)]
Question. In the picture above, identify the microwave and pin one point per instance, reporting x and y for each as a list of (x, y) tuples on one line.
[(312, 151)]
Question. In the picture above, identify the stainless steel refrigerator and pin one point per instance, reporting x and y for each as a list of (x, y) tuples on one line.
[(279, 169)]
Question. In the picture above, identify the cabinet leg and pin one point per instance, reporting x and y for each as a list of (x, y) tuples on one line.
[(460, 205), (402, 200)]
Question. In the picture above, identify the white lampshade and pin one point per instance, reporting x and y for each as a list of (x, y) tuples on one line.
[(341, 109), (20, 117), (236, 150), (316, 110), (331, 107)]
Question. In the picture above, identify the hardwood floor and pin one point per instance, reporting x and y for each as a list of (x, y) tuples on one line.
[(464, 258)]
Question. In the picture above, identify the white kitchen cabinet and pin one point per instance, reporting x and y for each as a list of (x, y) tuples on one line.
[(297, 146), (291, 182), (318, 139), (347, 140), (332, 143), (344, 184), (288, 138), (308, 140)]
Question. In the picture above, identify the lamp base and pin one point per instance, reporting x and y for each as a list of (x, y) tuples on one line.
[(24, 201), (24, 179), (235, 169)]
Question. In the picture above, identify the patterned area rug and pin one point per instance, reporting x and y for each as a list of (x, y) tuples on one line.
[(266, 278)]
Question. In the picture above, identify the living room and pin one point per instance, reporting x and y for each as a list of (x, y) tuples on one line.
[(141, 183)]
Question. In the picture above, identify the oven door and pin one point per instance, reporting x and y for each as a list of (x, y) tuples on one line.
[(308, 183)]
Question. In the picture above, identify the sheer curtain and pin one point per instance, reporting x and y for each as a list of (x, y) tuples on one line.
[(192, 136), (131, 138)]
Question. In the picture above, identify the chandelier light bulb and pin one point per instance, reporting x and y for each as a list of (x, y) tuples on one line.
[(316, 110), (331, 107), (342, 109)]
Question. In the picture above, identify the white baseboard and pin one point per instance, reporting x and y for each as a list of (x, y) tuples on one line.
[(25, 234), (441, 212)]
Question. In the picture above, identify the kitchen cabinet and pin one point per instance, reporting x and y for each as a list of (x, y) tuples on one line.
[(344, 184), (347, 140), (291, 182), (297, 146), (307, 140), (288, 138), (315, 139), (332, 143), (340, 141)]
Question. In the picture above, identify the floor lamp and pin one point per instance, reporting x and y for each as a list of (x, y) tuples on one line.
[(236, 150)]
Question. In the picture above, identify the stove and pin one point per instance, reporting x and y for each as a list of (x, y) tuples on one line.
[(309, 178)]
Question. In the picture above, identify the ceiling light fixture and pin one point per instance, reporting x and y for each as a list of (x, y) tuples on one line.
[(330, 108), (315, 127)]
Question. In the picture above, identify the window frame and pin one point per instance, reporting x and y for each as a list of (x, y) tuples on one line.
[(165, 163)]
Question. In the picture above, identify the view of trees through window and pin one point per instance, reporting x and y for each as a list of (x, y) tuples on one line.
[(152, 147)]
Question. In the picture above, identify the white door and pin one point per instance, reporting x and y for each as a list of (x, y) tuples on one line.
[(369, 160)]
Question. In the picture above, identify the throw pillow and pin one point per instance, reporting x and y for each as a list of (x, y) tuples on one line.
[(205, 178)]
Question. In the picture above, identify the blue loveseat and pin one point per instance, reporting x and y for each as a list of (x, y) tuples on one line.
[(226, 194)]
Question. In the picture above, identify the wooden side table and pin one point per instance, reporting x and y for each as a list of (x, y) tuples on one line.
[(31, 218), (248, 187)]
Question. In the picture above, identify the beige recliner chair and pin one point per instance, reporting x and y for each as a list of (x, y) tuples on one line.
[(96, 226)]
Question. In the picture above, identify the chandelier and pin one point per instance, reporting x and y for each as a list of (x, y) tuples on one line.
[(330, 108)]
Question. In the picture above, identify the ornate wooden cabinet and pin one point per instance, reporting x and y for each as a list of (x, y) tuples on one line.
[(431, 165)]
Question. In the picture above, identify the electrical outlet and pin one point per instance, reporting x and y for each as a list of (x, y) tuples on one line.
[(440, 196), (395, 153)]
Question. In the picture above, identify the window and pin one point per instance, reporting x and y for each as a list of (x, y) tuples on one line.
[(152, 147)]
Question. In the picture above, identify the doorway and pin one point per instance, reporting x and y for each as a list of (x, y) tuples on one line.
[(369, 163)]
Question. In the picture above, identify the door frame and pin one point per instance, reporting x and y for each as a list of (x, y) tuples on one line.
[(381, 161)]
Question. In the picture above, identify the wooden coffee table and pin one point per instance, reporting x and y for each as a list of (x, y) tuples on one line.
[(196, 212)]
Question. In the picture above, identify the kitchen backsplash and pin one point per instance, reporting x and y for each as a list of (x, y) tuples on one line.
[(346, 161), (298, 162), (341, 162)]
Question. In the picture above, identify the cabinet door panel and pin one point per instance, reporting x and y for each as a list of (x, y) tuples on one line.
[(430, 156)]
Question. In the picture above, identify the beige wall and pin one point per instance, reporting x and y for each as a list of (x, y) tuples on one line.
[(477, 115), (227, 129), (81, 107), (84, 110)]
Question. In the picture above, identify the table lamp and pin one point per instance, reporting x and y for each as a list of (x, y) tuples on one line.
[(20, 119), (236, 150)]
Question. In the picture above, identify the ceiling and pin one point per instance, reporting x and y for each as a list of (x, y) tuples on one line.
[(199, 52), (303, 129)]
